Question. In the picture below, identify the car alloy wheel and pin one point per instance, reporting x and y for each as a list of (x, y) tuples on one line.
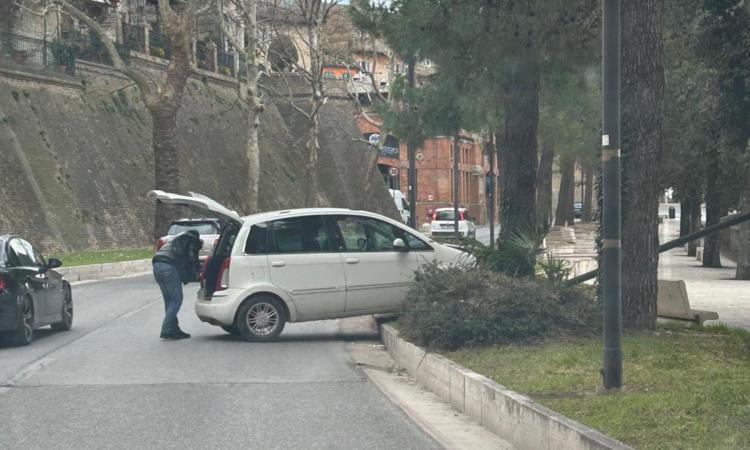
[(24, 333), (66, 322), (261, 319)]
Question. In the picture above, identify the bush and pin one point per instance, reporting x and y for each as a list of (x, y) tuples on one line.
[(454, 307)]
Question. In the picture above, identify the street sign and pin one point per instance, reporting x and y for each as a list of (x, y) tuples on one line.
[(393, 172)]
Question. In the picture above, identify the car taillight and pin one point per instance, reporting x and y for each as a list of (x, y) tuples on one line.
[(434, 216), (222, 281), (2, 285), (160, 243), (202, 277), (461, 216)]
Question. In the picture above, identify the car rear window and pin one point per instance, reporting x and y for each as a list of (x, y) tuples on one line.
[(444, 215), (200, 227)]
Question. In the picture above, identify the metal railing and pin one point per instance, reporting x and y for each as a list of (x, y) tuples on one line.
[(22, 50), (205, 58), (134, 37), (158, 44), (226, 63)]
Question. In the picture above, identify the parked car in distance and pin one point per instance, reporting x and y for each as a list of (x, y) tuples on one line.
[(401, 204), (577, 210), (208, 229), (306, 264), (32, 293), (442, 224)]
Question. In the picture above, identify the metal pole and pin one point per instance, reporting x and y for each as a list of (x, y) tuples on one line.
[(611, 243), (411, 151), (455, 187), (491, 196)]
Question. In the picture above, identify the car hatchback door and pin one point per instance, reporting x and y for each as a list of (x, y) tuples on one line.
[(28, 273), (303, 263)]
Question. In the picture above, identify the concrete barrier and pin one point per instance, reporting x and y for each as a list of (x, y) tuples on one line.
[(103, 271), (512, 416), (699, 254)]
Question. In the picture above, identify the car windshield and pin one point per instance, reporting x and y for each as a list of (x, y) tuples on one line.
[(200, 227), (446, 215)]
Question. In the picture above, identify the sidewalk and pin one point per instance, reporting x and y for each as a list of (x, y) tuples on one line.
[(707, 288)]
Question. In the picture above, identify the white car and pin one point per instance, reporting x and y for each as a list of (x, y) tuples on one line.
[(306, 264), (442, 224)]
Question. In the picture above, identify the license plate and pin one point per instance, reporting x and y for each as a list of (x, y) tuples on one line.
[(446, 226)]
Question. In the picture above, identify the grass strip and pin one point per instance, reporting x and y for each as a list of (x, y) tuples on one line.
[(686, 388), (103, 256)]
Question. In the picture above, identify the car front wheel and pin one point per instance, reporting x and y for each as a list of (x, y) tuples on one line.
[(66, 320), (261, 319)]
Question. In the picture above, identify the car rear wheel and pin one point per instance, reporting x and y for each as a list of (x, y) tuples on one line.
[(261, 319), (66, 322), (24, 333)]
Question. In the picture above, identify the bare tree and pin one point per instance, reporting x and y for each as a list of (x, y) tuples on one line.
[(246, 13), (306, 19), (162, 98)]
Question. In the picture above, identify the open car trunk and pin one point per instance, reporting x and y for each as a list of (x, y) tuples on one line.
[(223, 249)]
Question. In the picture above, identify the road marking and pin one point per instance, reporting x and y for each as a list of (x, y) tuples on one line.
[(137, 310)]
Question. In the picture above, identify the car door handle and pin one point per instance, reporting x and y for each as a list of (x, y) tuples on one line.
[(351, 261), (278, 263)]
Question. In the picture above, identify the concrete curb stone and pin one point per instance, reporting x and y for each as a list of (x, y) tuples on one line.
[(512, 416), (104, 271)]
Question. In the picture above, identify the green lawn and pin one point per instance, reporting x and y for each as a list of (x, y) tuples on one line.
[(102, 256), (684, 389)]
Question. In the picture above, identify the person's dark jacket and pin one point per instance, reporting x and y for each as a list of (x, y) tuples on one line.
[(182, 252)]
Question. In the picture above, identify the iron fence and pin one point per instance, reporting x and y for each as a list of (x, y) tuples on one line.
[(134, 37), (55, 55), (205, 59), (226, 63), (158, 44)]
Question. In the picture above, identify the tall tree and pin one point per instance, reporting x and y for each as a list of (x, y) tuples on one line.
[(724, 44), (304, 22), (162, 97), (565, 215), (245, 43), (642, 96), (544, 186), (497, 80)]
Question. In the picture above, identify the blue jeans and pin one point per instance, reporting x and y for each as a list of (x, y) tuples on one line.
[(171, 289)]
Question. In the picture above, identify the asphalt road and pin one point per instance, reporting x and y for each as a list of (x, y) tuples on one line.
[(111, 383)]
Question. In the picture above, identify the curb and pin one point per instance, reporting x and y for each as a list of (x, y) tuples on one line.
[(512, 416), (96, 272)]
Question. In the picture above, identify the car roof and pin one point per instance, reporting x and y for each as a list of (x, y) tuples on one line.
[(194, 219), (270, 215)]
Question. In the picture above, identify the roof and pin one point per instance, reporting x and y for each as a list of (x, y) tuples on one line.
[(260, 217)]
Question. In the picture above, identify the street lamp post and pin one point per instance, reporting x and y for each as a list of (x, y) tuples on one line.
[(412, 156), (611, 242)]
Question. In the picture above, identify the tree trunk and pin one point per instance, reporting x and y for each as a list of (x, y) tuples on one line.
[(518, 155), (588, 196), (696, 222), (642, 95), (312, 146), (544, 186), (166, 164), (684, 217), (712, 242), (564, 215), (743, 242), (254, 105)]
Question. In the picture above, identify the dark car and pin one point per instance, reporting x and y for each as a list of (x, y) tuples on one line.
[(32, 294)]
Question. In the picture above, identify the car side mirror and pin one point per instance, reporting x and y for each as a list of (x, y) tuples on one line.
[(54, 263), (400, 245)]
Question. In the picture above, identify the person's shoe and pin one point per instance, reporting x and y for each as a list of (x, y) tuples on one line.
[(175, 336), (182, 335)]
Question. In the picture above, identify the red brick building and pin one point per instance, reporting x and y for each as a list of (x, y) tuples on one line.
[(435, 173)]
